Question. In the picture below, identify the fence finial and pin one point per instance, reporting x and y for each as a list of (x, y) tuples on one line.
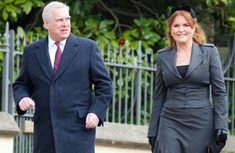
[(6, 34)]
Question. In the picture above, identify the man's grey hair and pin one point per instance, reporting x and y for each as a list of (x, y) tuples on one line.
[(47, 14)]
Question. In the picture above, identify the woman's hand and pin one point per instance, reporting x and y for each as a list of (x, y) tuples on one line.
[(152, 142), (221, 136)]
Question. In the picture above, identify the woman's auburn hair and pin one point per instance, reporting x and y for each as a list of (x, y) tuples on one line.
[(199, 35)]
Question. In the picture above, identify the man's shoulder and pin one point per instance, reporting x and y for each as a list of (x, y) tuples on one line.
[(82, 39), (38, 42)]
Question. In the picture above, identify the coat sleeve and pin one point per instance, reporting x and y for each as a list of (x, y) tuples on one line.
[(219, 95), (102, 85), (159, 98), (22, 87)]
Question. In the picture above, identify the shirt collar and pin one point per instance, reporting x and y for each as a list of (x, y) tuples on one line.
[(51, 42)]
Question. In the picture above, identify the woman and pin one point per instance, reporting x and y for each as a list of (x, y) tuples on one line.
[(183, 118)]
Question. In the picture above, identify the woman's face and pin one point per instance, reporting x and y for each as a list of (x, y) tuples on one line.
[(181, 30)]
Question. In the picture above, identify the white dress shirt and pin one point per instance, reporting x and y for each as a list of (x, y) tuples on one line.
[(52, 49)]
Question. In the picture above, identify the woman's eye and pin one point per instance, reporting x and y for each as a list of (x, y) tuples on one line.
[(176, 25)]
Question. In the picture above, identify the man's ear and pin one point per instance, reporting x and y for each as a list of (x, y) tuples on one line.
[(45, 24)]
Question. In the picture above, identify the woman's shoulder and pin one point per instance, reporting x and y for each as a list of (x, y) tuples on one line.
[(165, 50), (209, 49), (207, 45)]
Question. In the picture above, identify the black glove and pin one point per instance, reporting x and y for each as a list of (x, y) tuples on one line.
[(221, 136), (152, 142)]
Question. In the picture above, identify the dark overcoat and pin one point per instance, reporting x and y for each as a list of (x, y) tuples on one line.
[(63, 99), (183, 117)]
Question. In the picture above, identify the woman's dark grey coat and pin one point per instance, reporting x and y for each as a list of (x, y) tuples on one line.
[(183, 118)]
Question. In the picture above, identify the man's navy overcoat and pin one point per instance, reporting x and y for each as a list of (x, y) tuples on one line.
[(63, 99)]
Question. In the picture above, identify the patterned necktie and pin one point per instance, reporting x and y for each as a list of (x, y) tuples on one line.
[(57, 56)]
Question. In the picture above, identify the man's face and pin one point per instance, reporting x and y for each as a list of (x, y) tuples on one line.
[(58, 25)]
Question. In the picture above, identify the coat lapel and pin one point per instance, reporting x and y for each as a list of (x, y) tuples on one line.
[(43, 57), (196, 59), (171, 62), (70, 50)]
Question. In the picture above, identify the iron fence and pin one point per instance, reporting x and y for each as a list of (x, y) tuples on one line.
[(133, 75)]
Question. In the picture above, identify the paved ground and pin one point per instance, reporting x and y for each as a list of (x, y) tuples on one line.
[(104, 149)]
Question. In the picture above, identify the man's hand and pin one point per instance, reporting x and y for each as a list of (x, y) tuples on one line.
[(26, 103), (91, 121)]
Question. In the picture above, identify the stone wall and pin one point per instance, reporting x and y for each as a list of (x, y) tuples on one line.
[(8, 130), (124, 138), (132, 138)]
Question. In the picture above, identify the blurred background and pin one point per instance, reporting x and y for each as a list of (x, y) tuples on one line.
[(129, 33)]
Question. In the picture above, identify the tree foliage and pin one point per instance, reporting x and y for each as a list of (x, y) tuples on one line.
[(121, 23), (123, 20), (12, 9)]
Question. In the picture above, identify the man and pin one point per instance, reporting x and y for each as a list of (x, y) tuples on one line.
[(57, 77)]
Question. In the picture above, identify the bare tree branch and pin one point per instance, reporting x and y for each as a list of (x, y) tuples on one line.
[(125, 13), (138, 10), (111, 12), (145, 7), (35, 21)]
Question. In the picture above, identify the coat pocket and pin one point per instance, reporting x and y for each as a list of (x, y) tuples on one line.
[(81, 115)]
